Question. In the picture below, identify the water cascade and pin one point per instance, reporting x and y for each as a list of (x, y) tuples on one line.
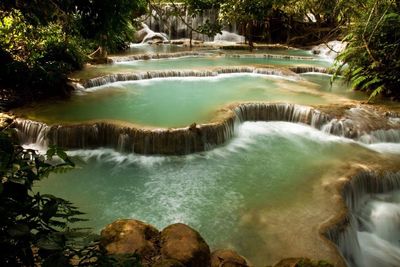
[(157, 56), (177, 22), (148, 36), (330, 50), (370, 233), (99, 81), (366, 124), (226, 36)]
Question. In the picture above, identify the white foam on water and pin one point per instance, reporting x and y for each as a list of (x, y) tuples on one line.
[(215, 78), (390, 148), (379, 238)]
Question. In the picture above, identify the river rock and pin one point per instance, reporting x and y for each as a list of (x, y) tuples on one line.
[(227, 258), (182, 243), (131, 236)]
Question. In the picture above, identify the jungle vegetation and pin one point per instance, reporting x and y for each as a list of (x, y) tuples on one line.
[(44, 42), (41, 42)]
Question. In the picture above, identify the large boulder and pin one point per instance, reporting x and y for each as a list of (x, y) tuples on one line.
[(131, 236), (227, 258), (182, 243)]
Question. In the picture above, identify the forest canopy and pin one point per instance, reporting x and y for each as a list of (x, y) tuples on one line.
[(45, 41)]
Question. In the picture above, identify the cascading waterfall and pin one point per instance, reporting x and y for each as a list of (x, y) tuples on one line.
[(330, 50), (119, 59), (157, 56), (187, 140), (369, 235), (381, 136), (306, 69), (274, 56), (195, 138), (281, 112), (100, 81), (168, 19), (127, 139), (365, 124)]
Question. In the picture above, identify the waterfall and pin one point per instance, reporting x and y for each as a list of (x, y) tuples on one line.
[(149, 36), (118, 59), (127, 139), (281, 112), (167, 19), (305, 69), (112, 78), (31, 132), (369, 235), (197, 138), (330, 50), (365, 124), (226, 36), (157, 56), (381, 136), (273, 56)]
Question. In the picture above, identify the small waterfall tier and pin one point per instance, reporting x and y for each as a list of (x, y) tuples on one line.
[(135, 76), (117, 59), (272, 56), (367, 125), (226, 36), (330, 50), (195, 138), (369, 235)]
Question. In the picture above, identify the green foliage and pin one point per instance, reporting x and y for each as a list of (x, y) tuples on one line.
[(35, 228), (371, 61), (45, 41), (30, 220), (43, 55), (109, 22), (244, 11)]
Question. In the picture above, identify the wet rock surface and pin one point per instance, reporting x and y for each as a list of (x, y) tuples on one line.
[(182, 243), (227, 258), (131, 236), (177, 245)]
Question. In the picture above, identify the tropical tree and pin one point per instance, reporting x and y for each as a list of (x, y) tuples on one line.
[(371, 61), (246, 13)]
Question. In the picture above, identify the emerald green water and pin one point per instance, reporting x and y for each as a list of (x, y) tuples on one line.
[(264, 193), (254, 194), (175, 102), (185, 63), (166, 48)]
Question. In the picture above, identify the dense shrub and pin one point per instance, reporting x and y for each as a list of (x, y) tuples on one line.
[(371, 61), (36, 60)]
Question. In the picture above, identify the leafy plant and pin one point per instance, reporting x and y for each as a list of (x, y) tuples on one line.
[(371, 62)]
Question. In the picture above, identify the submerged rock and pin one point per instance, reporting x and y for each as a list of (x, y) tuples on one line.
[(227, 258), (182, 243), (131, 236)]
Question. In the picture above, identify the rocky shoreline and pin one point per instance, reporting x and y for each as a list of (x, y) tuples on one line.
[(177, 245)]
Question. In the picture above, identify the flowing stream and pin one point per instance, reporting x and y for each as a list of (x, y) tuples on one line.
[(261, 194), (263, 188)]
